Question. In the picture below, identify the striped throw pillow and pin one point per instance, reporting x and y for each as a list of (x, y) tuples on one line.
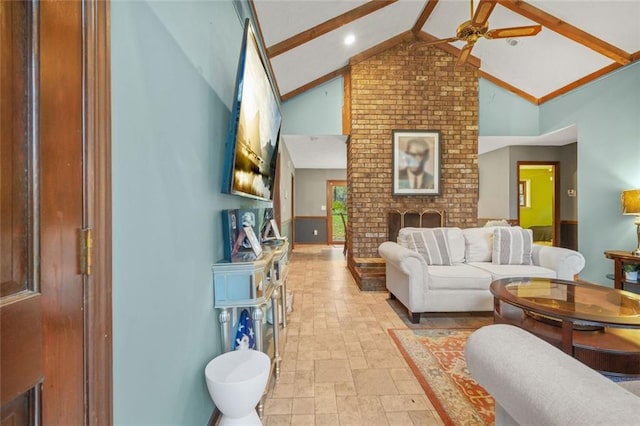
[(512, 246), (432, 244)]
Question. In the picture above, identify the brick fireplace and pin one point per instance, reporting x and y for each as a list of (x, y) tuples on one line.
[(407, 88)]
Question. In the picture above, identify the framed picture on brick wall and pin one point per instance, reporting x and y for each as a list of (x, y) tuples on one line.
[(416, 162)]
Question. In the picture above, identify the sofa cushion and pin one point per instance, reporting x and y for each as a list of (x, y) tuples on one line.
[(512, 246), (432, 244), (458, 277), (454, 237), (508, 271), (478, 244), (500, 222)]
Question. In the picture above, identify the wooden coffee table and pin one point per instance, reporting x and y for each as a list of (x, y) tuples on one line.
[(597, 325)]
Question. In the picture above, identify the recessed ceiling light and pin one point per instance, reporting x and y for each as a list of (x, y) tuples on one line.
[(512, 42), (349, 39)]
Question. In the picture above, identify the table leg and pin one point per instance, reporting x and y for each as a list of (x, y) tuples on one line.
[(224, 318), (276, 325), (567, 337), (283, 303), (497, 315), (257, 316), (617, 274)]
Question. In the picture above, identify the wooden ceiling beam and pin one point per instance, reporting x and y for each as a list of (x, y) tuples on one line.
[(318, 81), (422, 19), (506, 86), (327, 26), (580, 82), (567, 30), (381, 47)]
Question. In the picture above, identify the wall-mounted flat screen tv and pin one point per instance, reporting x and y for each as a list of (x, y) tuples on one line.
[(254, 127)]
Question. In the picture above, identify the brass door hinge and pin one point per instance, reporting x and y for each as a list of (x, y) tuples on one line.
[(86, 251)]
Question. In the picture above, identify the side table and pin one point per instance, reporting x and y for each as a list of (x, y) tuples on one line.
[(621, 258)]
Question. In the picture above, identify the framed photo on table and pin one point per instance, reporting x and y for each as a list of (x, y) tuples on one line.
[(253, 240), (416, 162)]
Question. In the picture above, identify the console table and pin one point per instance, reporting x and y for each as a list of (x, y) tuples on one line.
[(255, 284), (621, 258)]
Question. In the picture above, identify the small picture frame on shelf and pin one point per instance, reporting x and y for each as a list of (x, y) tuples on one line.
[(253, 240), (276, 231), (271, 234)]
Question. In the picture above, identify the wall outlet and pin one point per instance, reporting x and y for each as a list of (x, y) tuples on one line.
[(315, 232)]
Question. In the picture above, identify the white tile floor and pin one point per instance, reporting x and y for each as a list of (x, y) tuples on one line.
[(339, 365)]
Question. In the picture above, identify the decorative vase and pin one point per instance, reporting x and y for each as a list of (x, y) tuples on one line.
[(631, 276)]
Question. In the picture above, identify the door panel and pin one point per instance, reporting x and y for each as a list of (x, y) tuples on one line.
[(21, 364)]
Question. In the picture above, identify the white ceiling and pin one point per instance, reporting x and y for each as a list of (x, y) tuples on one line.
[(317, 152), (537, 66)]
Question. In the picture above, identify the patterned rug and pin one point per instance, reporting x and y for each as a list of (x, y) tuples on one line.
[(437, 360)]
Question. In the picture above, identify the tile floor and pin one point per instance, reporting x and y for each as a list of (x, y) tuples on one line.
[(339, 365)]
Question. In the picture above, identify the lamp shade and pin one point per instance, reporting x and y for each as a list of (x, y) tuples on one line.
[(631, 201)]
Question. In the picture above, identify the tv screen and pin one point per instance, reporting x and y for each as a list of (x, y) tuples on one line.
[(254, 128)]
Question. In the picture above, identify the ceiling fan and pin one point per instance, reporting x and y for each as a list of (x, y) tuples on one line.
[(478, 26)]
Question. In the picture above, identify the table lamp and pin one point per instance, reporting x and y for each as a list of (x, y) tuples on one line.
[(631, 206)]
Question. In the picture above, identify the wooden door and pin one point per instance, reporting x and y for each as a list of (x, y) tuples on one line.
[(21, 361), (56, 331)]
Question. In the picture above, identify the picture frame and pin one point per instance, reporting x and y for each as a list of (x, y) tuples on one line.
[(253, 240), (522, 193), (271, 231), (416, 162)]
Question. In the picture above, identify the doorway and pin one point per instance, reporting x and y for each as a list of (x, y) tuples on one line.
[(293, 211), (538, 200), (337, 211)]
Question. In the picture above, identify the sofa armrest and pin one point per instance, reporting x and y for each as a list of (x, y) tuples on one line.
[(536, 383), (407, 274), (402, 258), (567, 263)]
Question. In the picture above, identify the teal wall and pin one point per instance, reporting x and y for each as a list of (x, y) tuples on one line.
[(315, 112), (502, 113), (607, 114), (173, 72)]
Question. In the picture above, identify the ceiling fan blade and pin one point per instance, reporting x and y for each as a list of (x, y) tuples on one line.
[(480, 18), (464, 54), (526, 31)]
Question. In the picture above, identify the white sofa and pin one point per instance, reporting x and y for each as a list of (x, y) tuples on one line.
[(463, 285), (535, 383)]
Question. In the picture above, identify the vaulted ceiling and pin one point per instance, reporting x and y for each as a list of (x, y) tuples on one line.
[(580, 41)]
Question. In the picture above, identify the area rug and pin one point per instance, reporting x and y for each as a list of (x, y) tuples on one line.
[(437, 360)]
